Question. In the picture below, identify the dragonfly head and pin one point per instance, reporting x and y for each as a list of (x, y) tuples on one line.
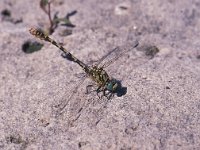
[(115, 86), (112, 85)]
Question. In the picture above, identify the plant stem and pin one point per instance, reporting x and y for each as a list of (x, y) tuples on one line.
[(51, 22)]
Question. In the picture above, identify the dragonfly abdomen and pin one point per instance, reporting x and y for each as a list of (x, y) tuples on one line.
[(39, 34)]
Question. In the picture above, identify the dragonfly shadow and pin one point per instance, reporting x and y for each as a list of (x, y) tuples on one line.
[(67, 56), (120, 91)]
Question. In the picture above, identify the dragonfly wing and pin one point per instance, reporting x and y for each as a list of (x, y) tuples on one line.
[(60, 107), (116, 53)]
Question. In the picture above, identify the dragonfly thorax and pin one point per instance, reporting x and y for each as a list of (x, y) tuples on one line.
[(100, 76)]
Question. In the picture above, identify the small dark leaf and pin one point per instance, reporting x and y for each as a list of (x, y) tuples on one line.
[(30, 47), (67, 22), (66, 32), (69, 25), (55, 18), (43, 3), (70, 14), (64, 21)]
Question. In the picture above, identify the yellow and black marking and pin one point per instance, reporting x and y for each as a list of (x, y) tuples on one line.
[(39, 34), (99, 75)]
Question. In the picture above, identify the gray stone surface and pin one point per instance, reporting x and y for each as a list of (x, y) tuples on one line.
[(161, 109)]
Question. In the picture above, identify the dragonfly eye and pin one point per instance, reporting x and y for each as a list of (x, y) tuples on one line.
[(112, 85)]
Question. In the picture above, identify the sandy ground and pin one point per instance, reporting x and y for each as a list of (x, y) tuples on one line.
[(161, 108)]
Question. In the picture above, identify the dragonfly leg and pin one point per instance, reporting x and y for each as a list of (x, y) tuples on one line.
[(98, 90), (109, 94), (104, 92)]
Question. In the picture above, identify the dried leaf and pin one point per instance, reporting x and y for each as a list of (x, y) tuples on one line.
[(43, 5)]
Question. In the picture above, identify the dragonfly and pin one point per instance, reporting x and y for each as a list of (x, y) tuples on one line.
[(106, 85)]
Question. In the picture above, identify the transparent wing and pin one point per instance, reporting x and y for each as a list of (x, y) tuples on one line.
[(60, 107), (116, 53)]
